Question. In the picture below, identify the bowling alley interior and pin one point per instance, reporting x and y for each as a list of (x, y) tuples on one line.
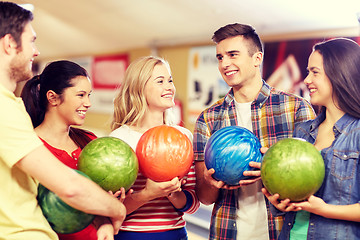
[(104, 37)]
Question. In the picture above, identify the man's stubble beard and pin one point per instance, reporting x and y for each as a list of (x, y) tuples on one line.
[(19, 68)]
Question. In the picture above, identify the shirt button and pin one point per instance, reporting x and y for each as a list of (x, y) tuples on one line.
[(345, 156)]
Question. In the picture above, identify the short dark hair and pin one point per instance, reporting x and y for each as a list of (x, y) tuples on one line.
[(341, 60), (13, 19), (236, 29)]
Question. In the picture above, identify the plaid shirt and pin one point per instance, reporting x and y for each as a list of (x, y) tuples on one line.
[(274, 115)]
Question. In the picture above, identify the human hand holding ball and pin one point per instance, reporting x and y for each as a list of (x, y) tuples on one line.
[(292, 171), (110, 162), (165, 156), (164, 153), (62, 218), (232, 156)]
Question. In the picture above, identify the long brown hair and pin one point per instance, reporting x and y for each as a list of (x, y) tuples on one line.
[(341, 59), (81, 137)]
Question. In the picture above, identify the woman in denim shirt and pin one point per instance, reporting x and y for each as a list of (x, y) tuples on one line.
[(334, 84)]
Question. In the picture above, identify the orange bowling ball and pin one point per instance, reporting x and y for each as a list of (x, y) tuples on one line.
[(164, 152)]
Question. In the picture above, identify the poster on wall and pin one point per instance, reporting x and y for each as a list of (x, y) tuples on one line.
[(205, 84), (85, 62), (107, 74), (285, 65)]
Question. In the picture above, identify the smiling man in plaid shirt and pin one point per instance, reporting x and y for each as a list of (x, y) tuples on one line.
[(242, 212)]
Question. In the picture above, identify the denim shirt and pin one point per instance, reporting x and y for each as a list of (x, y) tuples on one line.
[(341, 185)]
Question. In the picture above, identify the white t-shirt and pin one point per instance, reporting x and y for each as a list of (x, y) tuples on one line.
[(252, 219), (132, 137)]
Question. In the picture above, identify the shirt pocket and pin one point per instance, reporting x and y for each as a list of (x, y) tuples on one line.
[(344, 164)]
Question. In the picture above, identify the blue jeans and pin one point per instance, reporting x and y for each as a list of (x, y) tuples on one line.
[(176, 234)]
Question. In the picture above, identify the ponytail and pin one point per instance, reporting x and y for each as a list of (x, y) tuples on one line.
[(33, 104), (81, 137)]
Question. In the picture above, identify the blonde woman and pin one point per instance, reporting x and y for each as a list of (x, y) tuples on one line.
[(144, 100)]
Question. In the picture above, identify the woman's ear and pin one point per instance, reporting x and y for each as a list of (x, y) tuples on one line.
[(53, 98)]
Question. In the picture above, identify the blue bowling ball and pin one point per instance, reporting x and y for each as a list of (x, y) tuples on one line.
[(229, 151)]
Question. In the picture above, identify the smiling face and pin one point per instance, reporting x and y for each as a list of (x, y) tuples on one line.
[(21, 64), (75, 101), (159, 89), (236, 65), (318, 82)]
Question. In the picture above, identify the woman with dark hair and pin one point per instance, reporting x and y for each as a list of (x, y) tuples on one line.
[(44, 94), (334, 83), (55, 100)]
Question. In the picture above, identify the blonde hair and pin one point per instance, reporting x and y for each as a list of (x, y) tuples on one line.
[(130, 104)]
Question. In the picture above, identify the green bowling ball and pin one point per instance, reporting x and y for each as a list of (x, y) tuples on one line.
[(110, 162)]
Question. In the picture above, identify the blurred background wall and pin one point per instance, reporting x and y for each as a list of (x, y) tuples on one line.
[(105, 36)]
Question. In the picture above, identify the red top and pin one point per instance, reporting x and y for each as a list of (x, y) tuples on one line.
[(89, 233)]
